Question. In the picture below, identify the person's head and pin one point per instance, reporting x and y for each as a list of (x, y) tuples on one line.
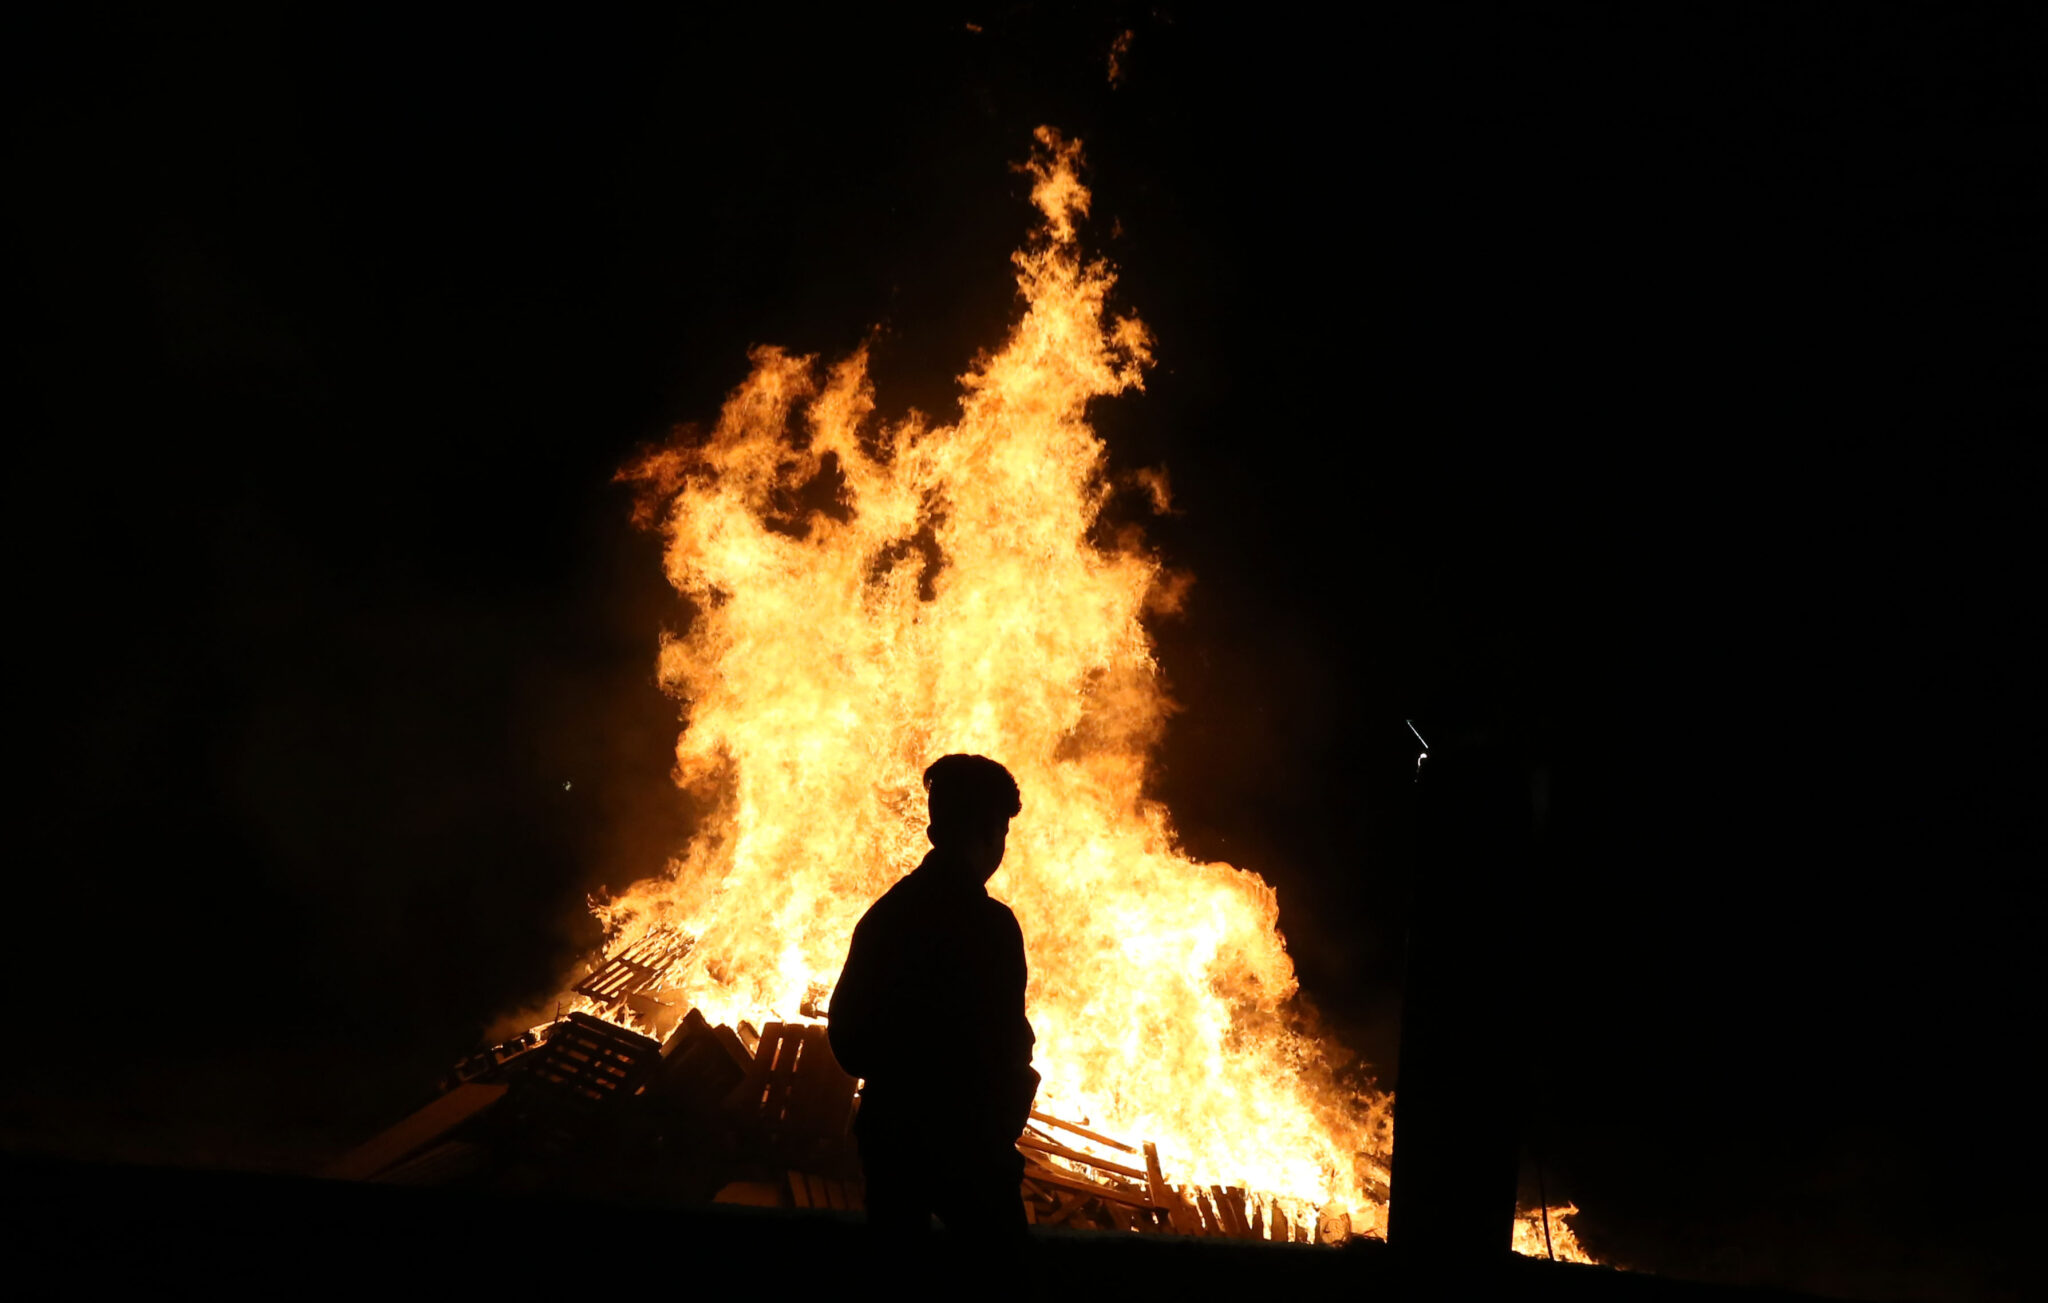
[(972, 800)]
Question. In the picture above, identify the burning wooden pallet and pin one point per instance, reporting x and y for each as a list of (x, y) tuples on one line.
[(1123, 1196), (717, 1113), (1088, 1189), (632, 969), (675, 1118)]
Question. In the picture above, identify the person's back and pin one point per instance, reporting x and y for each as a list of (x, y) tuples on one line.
[(929, 1010)]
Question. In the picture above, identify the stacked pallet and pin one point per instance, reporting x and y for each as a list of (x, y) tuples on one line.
[(736, 1115), (1067, 1186), (595, 1107)]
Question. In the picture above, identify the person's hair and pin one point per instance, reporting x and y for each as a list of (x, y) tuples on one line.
[(966, 790)]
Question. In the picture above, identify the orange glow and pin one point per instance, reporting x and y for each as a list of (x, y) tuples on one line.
[(1529, 1236), (953, 601)]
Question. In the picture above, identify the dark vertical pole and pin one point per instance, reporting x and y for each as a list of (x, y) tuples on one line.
[(1456, 1158)]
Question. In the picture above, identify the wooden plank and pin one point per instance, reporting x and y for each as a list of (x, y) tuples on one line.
[(1079, 1130), (1063, 1209), (1047, 1176), (487, 1061), (799, 1190), (632, 969), (1134, 1190), (1281, 1230), (1230, 1208), (415, 1133), (1046, 1204), (1220, 1210), (1333, 1224), (587, 1068), (1079, 1156), (1179, 1216), (763, 1094), (1135, 1197), (735, 1048), (820, 1091), (697, 1071), (687, 1029), (592, 1061), (1238, 1210), (1224, 1221)]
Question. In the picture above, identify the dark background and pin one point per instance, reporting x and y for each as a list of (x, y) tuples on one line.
[(1676, 374)]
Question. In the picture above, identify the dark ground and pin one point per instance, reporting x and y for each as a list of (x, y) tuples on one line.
[(127, 1226), (1680, 372)]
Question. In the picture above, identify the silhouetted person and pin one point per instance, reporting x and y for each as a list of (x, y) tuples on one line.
[(930, 1011)]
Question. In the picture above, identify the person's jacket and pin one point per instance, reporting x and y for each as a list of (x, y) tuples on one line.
[(929, 1008)]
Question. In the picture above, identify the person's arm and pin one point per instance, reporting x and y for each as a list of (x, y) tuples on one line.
[(1017, 1036), (849, 1021)]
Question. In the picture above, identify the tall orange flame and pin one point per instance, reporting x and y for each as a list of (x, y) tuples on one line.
[(869, 596)]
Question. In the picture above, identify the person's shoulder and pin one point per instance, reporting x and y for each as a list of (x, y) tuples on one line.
[(898, 889), (1000, 915), (889, 905)]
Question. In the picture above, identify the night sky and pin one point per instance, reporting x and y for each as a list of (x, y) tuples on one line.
[(1675, 375)]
